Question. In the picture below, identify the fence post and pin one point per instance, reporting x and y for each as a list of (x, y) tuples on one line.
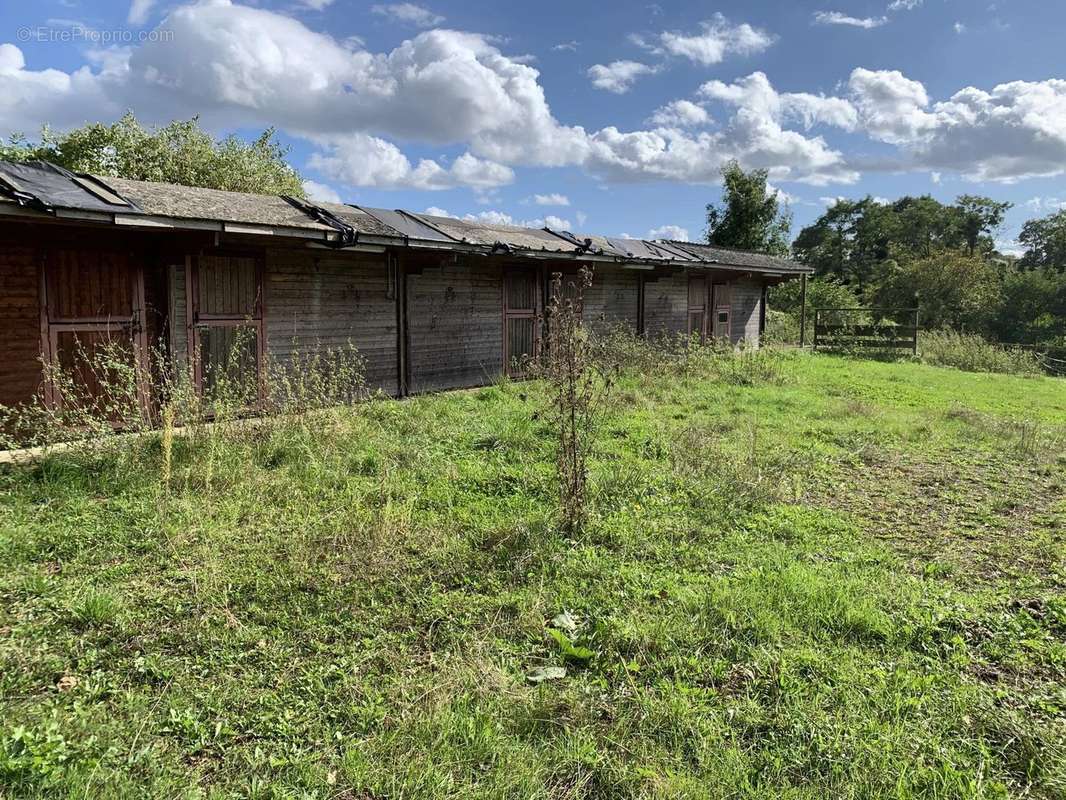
[(803, 310), (914, 350), (816, 312)]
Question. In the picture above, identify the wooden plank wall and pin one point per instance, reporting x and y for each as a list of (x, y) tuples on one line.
[(666, 305), (328, 300), (744, 322), (179, 340), (455, 325), (613, 299), (20, 324)]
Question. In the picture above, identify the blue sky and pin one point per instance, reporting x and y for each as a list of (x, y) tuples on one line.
[(608, 119)]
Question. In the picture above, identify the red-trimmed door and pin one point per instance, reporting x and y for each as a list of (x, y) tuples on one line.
[(92, 312)]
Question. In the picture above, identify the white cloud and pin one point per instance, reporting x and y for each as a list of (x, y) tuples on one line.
[(315, 5), (571, 46), (321, 192), (363, 160), (407, 13), (935, 177), (839, 18), (891, 107), (582, 217), (554, 199), (1045, 205), (618, 76), (669, 232), (755, 96), (494, 217), (680, 114), (959, 28), (31, 98), (904, 5), (755, 136), (139, 10), (1017, 130), (717, 39)]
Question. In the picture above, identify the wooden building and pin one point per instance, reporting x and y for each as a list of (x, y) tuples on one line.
[(430, 302)]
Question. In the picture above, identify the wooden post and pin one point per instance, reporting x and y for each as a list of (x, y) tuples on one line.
[(917, 309), (803, 310)]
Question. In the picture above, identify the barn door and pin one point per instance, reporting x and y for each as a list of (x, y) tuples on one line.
[(92, 331), (521, 291), (723, 296), (226, 300), (697, 306)]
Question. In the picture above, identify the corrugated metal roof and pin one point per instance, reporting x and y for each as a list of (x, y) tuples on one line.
[(360, 220)]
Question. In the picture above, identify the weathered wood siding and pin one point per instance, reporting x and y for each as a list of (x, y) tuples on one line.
[(666, 305), (455, 326), (744, 323), (613, 299), (20, 324), (178, 316), (327, 301)]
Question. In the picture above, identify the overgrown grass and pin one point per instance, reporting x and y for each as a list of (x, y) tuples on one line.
[(975, 354), (802, 576)]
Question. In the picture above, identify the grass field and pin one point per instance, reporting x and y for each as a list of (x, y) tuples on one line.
[(809, 578)]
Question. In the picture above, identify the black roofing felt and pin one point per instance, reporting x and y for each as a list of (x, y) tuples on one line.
[(45, 186), (410, 225)]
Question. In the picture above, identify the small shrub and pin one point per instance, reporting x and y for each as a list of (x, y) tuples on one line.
[(578, 386), (972, 353)]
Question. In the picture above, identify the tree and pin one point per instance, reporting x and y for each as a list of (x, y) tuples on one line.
[(1045, 242), (181, 152), (953, 290), (749, 217), (979, 219)]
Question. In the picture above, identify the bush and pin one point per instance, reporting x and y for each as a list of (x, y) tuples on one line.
[(783, 306), (972, 353)]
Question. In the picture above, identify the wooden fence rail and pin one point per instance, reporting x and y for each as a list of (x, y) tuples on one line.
[(837, 335)]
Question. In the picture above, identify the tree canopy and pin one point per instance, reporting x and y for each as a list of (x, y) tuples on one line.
[(944, 258), (749, 217), (181, 152)]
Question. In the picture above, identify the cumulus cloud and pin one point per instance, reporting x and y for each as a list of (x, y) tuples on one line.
[(716, 39), (680, 114), (363, 160), (553, 199), (618, 76), (891, 106), (674, 232), (839, 18), (321, 192), (756, 96), (241, 66), (30, 98), (407, 13), (904, 5), (501, 218)]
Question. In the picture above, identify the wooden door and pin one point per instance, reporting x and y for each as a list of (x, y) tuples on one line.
[(723, 297), (92, 332), (697, 306), (226, 318), (521, 302)]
